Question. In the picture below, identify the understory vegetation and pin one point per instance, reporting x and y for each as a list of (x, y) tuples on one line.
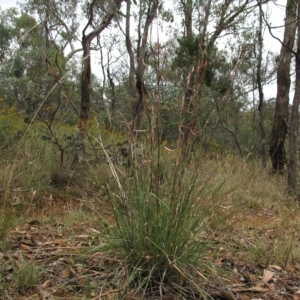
[(163, 227)]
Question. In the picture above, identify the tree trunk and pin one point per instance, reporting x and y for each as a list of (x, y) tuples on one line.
[(140, 85), (226, 19), (140, 70), (112, 93), (187, 6), (129, 49), (260, 92), (294, 122), (188, 17), (86, 72), (194, 84), (85, 86), (280, 126)]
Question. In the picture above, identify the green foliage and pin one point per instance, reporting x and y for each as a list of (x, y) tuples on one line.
[(5, 38), (18, 66), (187, 52), (7, 222), (158, 229), (291, 4), (28, 276), (27, 32), (11, 124), (29, 84)]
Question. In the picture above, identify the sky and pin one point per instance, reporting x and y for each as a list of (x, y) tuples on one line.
[(7, 3)]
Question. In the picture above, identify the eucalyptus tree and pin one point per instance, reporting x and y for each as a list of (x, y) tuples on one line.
[(144, 17), (6, 36), (214, 21), (87, 38), (58, 23), (260, 87), (280, 126), (26, 72), (61, 21), (294, 118)]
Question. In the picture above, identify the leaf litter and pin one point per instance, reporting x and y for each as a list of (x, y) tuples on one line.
[(67, 273)]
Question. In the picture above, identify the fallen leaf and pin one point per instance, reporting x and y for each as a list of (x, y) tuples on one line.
[(296, 297), (272, 287), (60, 242), (256, 288), (82, 281), (94, 230), (46, 283), (268, 275), (297, 293), (244, 297), (275, 267), (25, 247), (72, 272), (79, 268), (43, 295), (65, 273), (83, 237), (28, 236)]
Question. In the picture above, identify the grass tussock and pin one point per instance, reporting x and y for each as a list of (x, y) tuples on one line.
[(162, 230)]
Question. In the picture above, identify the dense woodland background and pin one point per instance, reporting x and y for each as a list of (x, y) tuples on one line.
[(202, 79)]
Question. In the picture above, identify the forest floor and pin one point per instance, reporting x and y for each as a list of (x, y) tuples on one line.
[(51, 253)]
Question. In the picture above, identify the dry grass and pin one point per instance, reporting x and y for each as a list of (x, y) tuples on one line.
[(254, 225)]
